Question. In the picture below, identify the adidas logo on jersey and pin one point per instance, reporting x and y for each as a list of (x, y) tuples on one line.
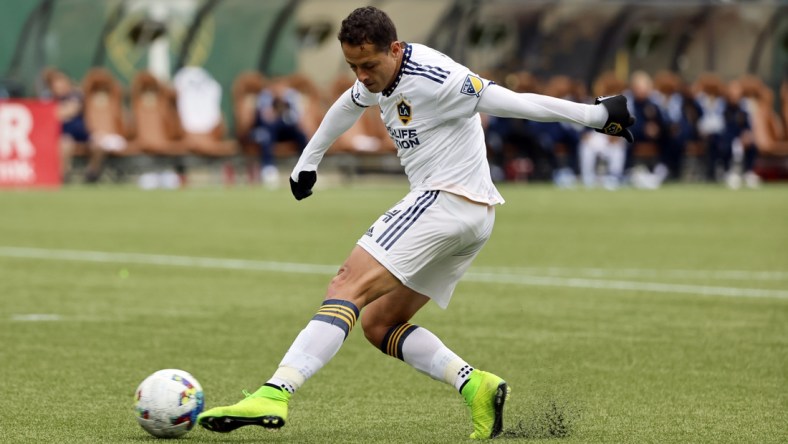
[(369, 232), (472, 86)]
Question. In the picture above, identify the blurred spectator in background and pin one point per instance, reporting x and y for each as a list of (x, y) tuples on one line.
[(680, 113), (739, 140), (710, 94), (695, 143), (596, 146), (278, 120), (514, 145), (650, 131), (559, 140), (74, 136)]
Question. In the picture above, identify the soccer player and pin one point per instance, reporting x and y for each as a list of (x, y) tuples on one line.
[(419, 249)]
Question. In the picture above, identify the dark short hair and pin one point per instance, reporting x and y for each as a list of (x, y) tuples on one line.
[(368, 25)]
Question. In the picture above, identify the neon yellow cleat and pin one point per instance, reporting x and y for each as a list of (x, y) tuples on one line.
[(485, 395), (267, 407)]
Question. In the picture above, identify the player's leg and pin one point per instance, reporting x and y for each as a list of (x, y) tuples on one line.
[(386, 326), (360, 280)]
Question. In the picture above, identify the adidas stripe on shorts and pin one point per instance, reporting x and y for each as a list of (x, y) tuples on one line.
[(429, 239)]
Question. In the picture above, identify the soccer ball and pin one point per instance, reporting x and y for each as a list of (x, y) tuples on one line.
[(167, 403)]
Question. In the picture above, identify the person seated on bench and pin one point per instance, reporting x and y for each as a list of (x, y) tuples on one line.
[(278, 120), (74, 136)]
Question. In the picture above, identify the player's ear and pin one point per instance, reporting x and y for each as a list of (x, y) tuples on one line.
[(395, 47)]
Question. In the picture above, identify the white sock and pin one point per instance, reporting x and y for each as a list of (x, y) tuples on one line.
[(426, 353), (317, 343)]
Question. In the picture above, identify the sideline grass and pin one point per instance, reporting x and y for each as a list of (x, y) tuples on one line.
[(586, 365)]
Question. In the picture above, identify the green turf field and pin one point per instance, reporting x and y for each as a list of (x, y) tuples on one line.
[(631, 316)]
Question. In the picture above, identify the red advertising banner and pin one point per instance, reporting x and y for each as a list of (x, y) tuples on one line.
[(29, 144)]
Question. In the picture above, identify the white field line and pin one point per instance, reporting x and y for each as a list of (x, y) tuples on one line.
[(158, 259), (704, 290), (745, 275), (36, 317), (500, 276)]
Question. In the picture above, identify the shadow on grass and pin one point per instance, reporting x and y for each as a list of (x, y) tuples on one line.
[(545, 418)]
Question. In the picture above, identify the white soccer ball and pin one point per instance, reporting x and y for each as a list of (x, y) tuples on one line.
[(167, 403)]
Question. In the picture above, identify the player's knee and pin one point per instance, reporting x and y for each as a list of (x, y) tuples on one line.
[(360, 287), (347, 293)]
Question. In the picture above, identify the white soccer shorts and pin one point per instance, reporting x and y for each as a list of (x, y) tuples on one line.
[(429, 239)]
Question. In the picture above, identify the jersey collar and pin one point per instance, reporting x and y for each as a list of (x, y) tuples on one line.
[(405, 57)]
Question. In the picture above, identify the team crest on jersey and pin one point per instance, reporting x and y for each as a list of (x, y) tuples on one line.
[(472, 86), (404, 110)]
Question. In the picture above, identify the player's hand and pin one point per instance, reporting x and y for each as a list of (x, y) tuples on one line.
[(618, 117), (303, 188)]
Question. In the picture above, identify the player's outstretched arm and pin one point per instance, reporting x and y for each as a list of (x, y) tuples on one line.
[(339, 118), (612, 117)]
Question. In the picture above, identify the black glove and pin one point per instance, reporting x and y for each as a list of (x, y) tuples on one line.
[(618, 117), (303, 188)]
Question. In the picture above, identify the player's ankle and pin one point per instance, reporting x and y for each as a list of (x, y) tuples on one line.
[(470, 387), (272, 391)]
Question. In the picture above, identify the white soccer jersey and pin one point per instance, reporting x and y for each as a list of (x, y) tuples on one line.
[(430, 113)]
